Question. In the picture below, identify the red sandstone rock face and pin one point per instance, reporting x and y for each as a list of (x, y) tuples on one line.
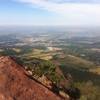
[(16, 85)]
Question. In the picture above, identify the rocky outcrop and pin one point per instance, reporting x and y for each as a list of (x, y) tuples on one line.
[(15, 84)]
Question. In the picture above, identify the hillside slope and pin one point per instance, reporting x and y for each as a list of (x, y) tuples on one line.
[(15, 83)]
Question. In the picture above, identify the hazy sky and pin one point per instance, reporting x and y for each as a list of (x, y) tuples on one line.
[(50, 12)]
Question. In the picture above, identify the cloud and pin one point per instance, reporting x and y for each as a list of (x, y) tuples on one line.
[(65, 1), (70, 8), (65, 8)]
